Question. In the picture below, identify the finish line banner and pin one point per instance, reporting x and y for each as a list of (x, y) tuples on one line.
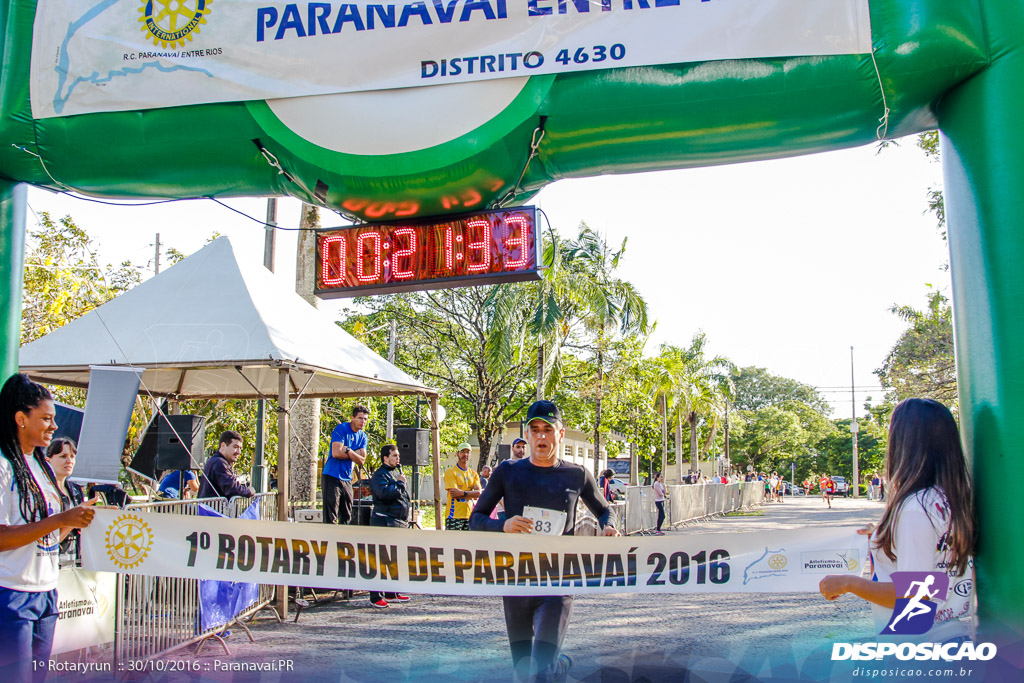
[(116, 55), (464, 562)]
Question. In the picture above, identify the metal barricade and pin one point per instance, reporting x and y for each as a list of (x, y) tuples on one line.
[(687, 503), (158, 614), (586, 523)]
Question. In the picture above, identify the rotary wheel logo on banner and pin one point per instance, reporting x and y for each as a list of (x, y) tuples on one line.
[(129, 540), (170, 22)]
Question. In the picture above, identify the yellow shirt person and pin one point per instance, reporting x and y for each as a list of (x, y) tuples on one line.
[(463, 485)]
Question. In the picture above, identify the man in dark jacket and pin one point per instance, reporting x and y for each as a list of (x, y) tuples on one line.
[(390, 507), (219, 478)]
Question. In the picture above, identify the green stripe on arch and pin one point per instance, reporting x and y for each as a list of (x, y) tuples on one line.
[(522, 107)]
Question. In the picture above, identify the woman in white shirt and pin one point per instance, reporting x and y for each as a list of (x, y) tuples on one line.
[(659, 501), (928, 523), (33, 520)]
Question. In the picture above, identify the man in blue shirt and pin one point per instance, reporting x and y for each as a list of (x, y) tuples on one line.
[(348, 445), (179, 484)]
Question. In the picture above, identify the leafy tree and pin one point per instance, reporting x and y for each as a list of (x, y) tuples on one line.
[(772, 437), (64, 278), (607, 306), (696, 387), (783, 432), (472, 344), (834, 452), (922, 363), (756, 388)]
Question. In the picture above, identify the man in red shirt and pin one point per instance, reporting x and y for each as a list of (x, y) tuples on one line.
[(826, 492)]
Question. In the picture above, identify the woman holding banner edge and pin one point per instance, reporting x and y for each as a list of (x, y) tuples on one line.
[(33, 521), (928, 523)]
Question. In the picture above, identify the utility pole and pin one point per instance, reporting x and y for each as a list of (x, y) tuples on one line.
[(156, 256), (305, 413), (392, 344), (854, 428), (259, 460), (727, 456)]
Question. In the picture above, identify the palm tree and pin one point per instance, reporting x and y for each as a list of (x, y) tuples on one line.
[(549, 320), (696, 387), (668, 369), (606, 305)]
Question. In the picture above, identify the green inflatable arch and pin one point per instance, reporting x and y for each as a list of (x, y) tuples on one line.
[(957, 66)]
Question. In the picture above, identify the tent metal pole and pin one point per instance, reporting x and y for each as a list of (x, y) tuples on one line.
[(435, 434), (282, 470)]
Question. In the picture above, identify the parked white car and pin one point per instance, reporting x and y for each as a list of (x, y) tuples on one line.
[(842, 488)]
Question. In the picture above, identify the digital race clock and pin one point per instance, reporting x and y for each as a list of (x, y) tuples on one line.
[(430, 253)]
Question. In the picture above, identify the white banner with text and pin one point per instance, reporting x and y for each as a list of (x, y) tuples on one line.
[(86, 601), (116, 55), (465, 562)]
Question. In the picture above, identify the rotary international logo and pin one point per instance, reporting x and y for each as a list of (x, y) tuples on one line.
[(129, 540), (170, 22), (777, 561)]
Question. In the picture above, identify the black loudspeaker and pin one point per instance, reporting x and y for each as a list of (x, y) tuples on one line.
[(178, 442), (413, 445), (504, 452), (144, 460)]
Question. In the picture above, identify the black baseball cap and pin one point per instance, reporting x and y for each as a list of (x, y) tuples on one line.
[(518, 440), (544, 410)]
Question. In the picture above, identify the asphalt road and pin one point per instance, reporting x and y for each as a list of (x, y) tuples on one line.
[(622, 637)]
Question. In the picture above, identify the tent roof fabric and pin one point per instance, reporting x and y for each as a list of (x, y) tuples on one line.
[(207, 328)]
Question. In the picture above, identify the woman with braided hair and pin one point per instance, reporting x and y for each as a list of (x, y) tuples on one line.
[(33, 520)]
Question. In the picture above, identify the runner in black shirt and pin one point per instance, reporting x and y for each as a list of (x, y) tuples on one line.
[(540, 497)]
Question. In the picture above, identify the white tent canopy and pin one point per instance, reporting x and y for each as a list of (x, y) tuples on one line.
[(207, 328)]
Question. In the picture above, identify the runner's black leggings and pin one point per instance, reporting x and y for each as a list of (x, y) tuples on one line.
[(536, 628)]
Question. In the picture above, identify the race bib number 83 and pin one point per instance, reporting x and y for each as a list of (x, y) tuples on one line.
[(545, 521)]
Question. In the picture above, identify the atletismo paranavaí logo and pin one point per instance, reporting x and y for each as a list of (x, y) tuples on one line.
[(917, 598)]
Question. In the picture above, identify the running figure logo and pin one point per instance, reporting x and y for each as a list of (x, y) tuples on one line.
[(914, 612)]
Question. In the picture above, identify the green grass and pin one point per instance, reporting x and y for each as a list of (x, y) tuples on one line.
[(745, 513)]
